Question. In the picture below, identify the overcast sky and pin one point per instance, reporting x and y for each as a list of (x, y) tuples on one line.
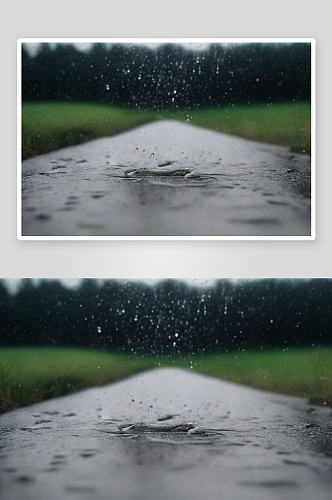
[(32, 48), (12, 284)]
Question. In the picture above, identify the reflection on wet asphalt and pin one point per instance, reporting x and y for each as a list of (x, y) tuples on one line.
[(164, 434), (197, 183)]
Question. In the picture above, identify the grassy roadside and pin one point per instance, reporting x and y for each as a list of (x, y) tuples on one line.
[(32, 374), (48, 126), (303, 372), (283, 124), (29, 375)]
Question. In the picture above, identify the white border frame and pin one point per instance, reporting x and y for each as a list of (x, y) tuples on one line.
[(312, 41)]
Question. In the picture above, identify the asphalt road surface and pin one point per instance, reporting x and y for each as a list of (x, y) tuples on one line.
[(167, 179), (165, 434)]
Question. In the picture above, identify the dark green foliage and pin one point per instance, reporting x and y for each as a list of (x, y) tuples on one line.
[(171, 317), (169, 77)]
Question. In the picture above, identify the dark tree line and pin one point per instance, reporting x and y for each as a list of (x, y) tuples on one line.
[(169, 76), (170, 317)]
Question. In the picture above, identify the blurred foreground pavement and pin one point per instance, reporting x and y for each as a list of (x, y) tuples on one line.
[(242, 443), (167, 179)]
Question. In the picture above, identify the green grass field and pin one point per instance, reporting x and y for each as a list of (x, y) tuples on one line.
[(304, 372), (32, 374), (48, 126), (283, 124)]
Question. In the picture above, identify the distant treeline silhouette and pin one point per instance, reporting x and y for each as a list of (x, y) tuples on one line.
[(169, 76), (171, 317)]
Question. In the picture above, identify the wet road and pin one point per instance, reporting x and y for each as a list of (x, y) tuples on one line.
[(165, 434), (167, 179)]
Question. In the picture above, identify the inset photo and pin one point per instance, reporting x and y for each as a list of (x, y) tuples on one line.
[(166, 139), (121, 388)]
